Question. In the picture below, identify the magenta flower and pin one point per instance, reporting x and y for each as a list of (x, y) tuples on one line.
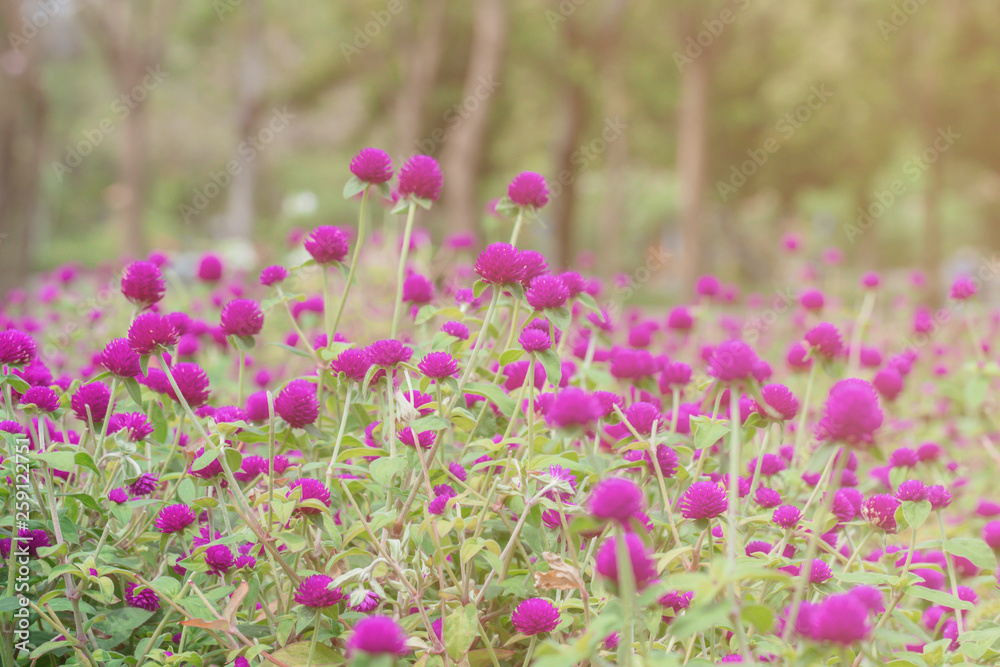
[(219, 559), (146, 598), (573, 407), (136, 425), (707, 285), (839, 619), (377, 635), (273, 275), (666, 457), (732, 361), (643, 567), (312, 489), (120, 359), (888, 382), (675, 375), (615, 499), (880, 511), (192, 380), (242, 317), (456, 329), (143, 485), (174, 518), (297, 403), (314, 591), (417, 289), (851, 414), (812, 299), (912, 491), (151, 334), (438, 505), (94, 396), (16, 348), (528, 190), (352, 362), (963, 288), (389, 353), (372, 165), (42, 398), (787, 516), (142, 283), (438, 365), (420, 177), (535, 616), (327, 244), (825, 341), (500, 264), (118, 495), (210, 268), (547, 291), (703, 500), (534, 340)]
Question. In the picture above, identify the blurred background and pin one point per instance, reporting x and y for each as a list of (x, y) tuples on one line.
[(706, 129)]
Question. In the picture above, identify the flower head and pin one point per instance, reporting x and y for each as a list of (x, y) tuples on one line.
[(825, 340), (135, 424), (732, 361), (851, 414), (377, 635), (963, 288), (151, 333), (880, 511), (421, 177), (143, 485), (389, 353), (912, 491), (210, 268), (192, 380), (327, 244), (16, 347), (174, 518), (94, 396), (242, 317), (534, 340), (438, 365), (219, 558), (781, 404), (43, 398), (297, 403), (643, 567), (787, 516), (703, 500), (573, 407), (839, 619), (142, 283), (146, 598), (547, 291), (535, 616), (314, 591), (273, 275), (312, 489), (120, 359), (500, 264), (372, 165), (118, 495), (528, 189), (615, 498)]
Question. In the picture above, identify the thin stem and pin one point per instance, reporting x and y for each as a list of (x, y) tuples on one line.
[(800, 432), (403, 252), (354, 263), (340, 436), (517, 225)]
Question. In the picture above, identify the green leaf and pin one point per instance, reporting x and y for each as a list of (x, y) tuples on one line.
[(293, 541), (494, 393), (186, 490), (242, 343), (384, 469), (762, 617), (553, 367), (294, 350), (510, 356), (353, 187), (470, 549), (479, 287), (233, 459), (59, 460), (18, 383), (975, 392), (159, 422), (86, 500), (460, 631), (938, 597), (144, 364), (916, 513), (86, 460), (134, 390), (974, 549), (560, 317), (121, 624), (205, 459), (297, 655), (707, 431)]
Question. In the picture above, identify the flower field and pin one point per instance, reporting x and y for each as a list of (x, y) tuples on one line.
[(385, 451)]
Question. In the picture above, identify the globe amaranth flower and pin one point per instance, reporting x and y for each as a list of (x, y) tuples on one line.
[(676, 602), (420, 177), (146, 598), (327, 244), (417, 289), (500, 264), (389, 353), (825, 340), (839, 619), (151, 333), (456, 329), (616, 499), (438, 365), (438, 505), (118, 496), (888, 382), (780, 403), (912, 491), (143, 485), (135, 424), (643, 566), (703, 500), (707, 285), (963, 288), (535, 616), (174, 518), (851, 414), (314, 591), (675, 375), (219, 559), (312, 489), (369, 602), (770, 465), (297, 403), (820, 572), (787, 516), (812, 299), (192, 380), (425, 439), (93, 397), (880, 511), (120, 359), (273, 275), (546, 292), (372, 165), (528, 190), (377, 635), (210, 268), (732, 361), (242, 317), (142, 283), (534, 340), (16, 348), (573, 407), (352, 362), (42, 398), (666, 459)]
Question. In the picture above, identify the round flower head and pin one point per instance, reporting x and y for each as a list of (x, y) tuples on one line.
[(825, 341), (438, 505), (118, 496), (732, 361), (219, 559), (573, 407), (991, 535), (210, 268), (500, 264), (314, 591), (142, 283), (534, 266), (456, 329), (880, 511), (938, 496), (963, 288), (787, 516), (151, 333), (797, 358), (143, 485), (16, 348), (675, 375), (534, 340), (273, 275), (528, 189), (819, 572), (420, 177), (912, 491), (812, 299), (174, 518), (377, 635), (136, 425), (388, 353), (547, 291), (297, 403), (94, 397), (851, 414), (703, 500), (120, 359), (146, 598), (312, 489), (888, 382), (417, 289), (666, 459), (372, 165), (707, 285), (327, 244), (615, 498), (42, 398), (839, 619), (781, 404), (643, 567), (438, 365), (535, 616), (680, 319), (192, 380), (242, 317), (352, 362)]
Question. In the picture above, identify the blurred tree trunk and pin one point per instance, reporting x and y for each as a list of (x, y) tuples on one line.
[(574, 116), (933, 239), (462, 154), (692, 149), (421, 61), (23, 118), (238, 221)]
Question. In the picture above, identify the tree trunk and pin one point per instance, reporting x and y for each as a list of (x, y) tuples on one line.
[(566, 173), (933, 239), (463, 151), (130, 197), (423, 57)]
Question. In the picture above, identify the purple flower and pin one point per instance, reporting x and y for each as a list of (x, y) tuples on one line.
[(779, 400), (314, 591), (146, 598), (372, 165), (219, 559), (297, 403), (210, 268), (118, 496), (388, 353), (353, 362), (535, 616), (135, 424), (675, 375), (666, 457), (192, 380), (787, 516), (438, 505), (16, 347), (43, 398), (615, 499), (643, 567), (94, 396), (825, 341), (438, 365), (312, 489), (242, 317), (963, 288), (703, 500), (880, 511), (732, 361), (839, 619), (456, 329), (417, 289), (888, 382), (912, 490), (143, 485), (851, 414), (174, 518), (500, 264), (272, 275), (420, 177), (573, 407), (547, 291), (534, 340), (377, 635), (369, 603), (327, 244), (120, 359), (528, 189), (142, 283), (812, 299), (458, 471), (151, 334), (939, 496)]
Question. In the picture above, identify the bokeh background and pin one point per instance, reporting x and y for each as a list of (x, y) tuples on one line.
[(708, 129)]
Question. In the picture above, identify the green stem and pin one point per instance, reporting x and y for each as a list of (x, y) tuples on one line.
[(312, 643), (354, 261), (403, 252), (340, 436), (800, 432), (517, 225), (626, 590)]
